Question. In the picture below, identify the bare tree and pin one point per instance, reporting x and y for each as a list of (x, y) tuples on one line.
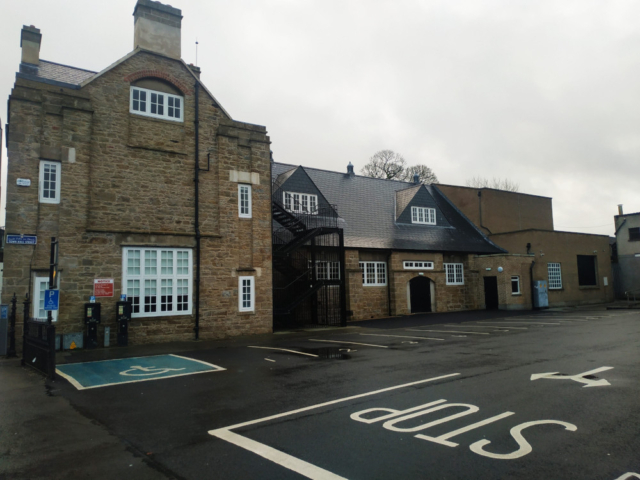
[(385, 164), (496, 183), (427, 176)]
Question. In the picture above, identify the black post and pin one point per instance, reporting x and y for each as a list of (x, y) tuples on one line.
[(11, 351), (53, 263), (343, 280), (51, 340)]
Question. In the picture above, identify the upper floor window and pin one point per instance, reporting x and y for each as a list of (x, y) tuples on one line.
[(454, 273), (49, 185), (157, 104), (634, 234), (418, 265), (157, 280), (244, 201), (373, 273), (555, 276), (423, 215), (300, 202)]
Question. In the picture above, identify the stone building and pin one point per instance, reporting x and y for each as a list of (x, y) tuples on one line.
[(628, 253), (145, 180)]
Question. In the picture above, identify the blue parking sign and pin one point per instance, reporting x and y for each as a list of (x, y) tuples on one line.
[(51, 299)]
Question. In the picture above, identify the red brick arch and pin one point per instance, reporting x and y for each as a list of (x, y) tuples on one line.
[(159, 74)]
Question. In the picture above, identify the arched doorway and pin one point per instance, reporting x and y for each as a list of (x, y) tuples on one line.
[(420, 294)]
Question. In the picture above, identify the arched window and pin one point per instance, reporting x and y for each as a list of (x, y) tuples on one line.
[(152, 97)]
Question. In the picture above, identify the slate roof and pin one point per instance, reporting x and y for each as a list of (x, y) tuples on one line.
[(367, 207), (55, 74)]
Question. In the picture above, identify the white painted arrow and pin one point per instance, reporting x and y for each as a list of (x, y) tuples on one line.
[(576, 378), (628, 476)]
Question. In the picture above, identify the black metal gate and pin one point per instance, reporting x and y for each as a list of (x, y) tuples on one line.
[(308, 266), (38, 344)]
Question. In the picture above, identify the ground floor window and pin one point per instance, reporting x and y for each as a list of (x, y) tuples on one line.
[(157, 281), (326, 270), (555, 276), (40, 285), (455, 273), (587, 272), (515, 285), (411, 265), (373, 273), (246, 294)]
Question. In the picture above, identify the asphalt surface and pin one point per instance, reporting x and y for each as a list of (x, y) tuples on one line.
[(311, 403)]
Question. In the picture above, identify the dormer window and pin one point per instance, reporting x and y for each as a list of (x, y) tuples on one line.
[(423, 215), (300, 202), (156, 104)]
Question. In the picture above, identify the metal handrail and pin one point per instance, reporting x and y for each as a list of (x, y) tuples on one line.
[(632, 292)]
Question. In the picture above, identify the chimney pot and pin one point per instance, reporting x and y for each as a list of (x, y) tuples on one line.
[(416, 178), (350, 170), (157, 28), (30, 39), (620, 209)]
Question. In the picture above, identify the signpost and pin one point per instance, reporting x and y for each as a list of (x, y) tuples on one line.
[(52, 300), (22, 239), (103, 287)]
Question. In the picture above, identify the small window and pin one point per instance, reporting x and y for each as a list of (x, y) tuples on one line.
[(300, 202), (156, 104), (157, 281), (634, 234), (515, 285), (374, 274), (587, 272), (41, 284), (411, 265), (244, 201), (423, 215), (555, 276), (246, 294), (49, 185), (454, 273), (326, 270)]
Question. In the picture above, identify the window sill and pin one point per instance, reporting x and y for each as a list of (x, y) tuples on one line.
[(156, 119), (589, 287), (516, 294), (247, 312), (377, 285)]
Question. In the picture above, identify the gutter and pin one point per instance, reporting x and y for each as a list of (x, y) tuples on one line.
[(533, 262)]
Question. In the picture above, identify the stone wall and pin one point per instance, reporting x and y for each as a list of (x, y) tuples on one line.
[(512, 265)]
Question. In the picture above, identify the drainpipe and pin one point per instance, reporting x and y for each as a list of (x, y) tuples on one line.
[(533, 262), (480, 211), (196, 329), (389, 282)]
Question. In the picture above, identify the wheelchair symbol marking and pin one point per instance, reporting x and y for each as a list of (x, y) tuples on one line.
[(149, 371)]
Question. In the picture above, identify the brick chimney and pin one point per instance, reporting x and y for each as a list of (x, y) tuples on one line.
[(350, 170), (30, 39), (157, 28)]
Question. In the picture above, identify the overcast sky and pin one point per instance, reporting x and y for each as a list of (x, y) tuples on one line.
[(542, 92)]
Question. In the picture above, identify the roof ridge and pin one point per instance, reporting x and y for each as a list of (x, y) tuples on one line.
[(345, 173)]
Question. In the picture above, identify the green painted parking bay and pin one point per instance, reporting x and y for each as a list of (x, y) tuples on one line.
[(129, 370)]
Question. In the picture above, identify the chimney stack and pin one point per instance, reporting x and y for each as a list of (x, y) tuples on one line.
[(416, 179), (157, 28), (620, 209), (350, 170), (30, 39)]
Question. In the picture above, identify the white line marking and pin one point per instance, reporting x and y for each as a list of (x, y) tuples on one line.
[(442, 439), (276, 456), (354, 343), (509, 327), (72, 380), (399, 336), (269, 360), (529, 323), (474, 326), (286, 350), (446, 331), (577, 378), (194, 360), (628, 475)]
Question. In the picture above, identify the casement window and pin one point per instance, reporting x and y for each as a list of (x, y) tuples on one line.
[(49, 184), (156, 104), (326, 270), (244, 201), (40, 285), (246, 294), (158, 280), (555, 276), (300, 202), (454, 273), (587, 271), (418, 265), (515, 285), (426, 216), (374, 274), (634, 234)]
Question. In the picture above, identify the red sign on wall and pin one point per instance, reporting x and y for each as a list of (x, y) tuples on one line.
[(103, 287)]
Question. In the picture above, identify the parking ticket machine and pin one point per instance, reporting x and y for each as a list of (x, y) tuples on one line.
[(123, 317), (91, 320)]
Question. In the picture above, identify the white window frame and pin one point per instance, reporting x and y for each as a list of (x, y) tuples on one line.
[(147, 104), (327, 270), (242, 212), (177, 280), (300, 202), (423, 215), (454, 273), (58, 167), (554, 272), (417, 265), (374, 274), (252, 293), (37, 282), (515, 278)]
